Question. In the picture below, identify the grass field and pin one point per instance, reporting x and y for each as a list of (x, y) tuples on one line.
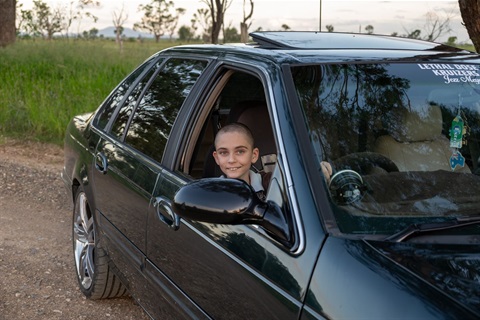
[(44, 84)]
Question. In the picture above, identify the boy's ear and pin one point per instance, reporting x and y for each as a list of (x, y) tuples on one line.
[(255, 153), (215, 157)]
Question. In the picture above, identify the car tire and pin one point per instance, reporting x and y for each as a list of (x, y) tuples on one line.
[(94, 272)]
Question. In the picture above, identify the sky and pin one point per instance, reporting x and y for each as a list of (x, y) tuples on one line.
[(401, 16)]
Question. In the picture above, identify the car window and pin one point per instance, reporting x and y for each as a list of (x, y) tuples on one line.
[(403, 139), (240, 97), (154, 116), (109, 106), (125, 111)]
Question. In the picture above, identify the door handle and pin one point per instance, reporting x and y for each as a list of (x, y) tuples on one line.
[(101, 163), (165, 213)]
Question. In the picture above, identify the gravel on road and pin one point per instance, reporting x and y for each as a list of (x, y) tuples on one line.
[(36, 262)]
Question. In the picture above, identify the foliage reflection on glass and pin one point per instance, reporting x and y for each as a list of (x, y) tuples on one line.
[(348, 107), (158, 108)]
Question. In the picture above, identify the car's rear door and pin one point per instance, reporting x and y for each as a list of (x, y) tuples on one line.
[(127, 160), (124, 179)]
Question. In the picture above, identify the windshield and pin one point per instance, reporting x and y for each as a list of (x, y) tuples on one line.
[(396, 144)]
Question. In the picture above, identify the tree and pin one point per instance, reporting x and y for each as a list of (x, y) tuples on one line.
[(285, 27), (91, 34), (415, 34), (48, 21), (71, 14), (172, 23), (76, 11), (329, 27), (7, 25), (27, 24), (157, 18), (231, 35), (193, 28), (470, 11), (369, 29), (185, 33), (202, 17), (451, 41), (118, 21), (245, 24), (217, 10), (45, 21), (435, 26)]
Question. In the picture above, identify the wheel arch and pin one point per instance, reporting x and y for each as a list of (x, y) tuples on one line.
[(81, 178)]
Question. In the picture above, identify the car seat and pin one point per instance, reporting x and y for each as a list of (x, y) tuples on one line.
[(415, 141)]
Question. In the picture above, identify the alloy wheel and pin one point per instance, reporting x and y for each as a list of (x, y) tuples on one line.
[(84, 241)]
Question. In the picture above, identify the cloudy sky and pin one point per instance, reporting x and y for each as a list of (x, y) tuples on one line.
[(401, 16)]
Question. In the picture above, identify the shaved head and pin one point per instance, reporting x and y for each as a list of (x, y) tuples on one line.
[(239, 128)]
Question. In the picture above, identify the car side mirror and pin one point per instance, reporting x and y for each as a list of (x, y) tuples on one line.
[(230, 201)]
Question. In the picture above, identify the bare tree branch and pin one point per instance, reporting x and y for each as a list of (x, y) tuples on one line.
[(118, 21)]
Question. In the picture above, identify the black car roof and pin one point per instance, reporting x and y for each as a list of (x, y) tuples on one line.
[(311, 47)]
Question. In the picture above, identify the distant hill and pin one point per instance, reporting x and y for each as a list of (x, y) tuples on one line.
[(109, 32)]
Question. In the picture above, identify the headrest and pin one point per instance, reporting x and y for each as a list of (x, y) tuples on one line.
[(247, 111), (254, 114), (416, 125)]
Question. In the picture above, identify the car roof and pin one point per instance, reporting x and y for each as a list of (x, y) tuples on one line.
[(330, 40), (312, 46)]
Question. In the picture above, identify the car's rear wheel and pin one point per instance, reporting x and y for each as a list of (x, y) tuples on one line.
[(94, 274)]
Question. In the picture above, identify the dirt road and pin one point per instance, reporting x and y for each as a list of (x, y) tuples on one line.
[(36, 263)]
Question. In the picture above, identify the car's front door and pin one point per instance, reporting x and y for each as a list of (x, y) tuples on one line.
[(230, 271)]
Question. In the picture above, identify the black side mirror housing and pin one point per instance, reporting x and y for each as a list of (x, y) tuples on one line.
[(230, 201)]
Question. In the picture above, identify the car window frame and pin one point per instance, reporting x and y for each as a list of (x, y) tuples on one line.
[(316, 180), (147, 64), (167, 59), (192, 123), (158, 64)]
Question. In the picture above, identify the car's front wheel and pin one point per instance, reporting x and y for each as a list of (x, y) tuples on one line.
[(94, 274)]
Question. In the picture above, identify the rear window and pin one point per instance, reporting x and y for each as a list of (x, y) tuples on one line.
[(118, 95), (157, 110)]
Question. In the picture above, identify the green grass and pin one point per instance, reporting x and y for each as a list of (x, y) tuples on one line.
[(468, 47), (44, 84)]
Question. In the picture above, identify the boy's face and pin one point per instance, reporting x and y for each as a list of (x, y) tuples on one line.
[(234, 154)]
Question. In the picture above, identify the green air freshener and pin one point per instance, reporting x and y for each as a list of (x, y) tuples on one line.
[(456, 133)]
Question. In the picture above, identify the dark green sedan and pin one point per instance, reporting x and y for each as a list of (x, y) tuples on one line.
[(371, 145)]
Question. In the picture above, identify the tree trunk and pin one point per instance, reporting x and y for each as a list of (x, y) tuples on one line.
[(216, 28), (244, 25), (217, 19), (7, 24), (470, 11), (215, 33), (243, 32)]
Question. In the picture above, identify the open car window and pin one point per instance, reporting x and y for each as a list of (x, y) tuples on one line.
[(238, 97)]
